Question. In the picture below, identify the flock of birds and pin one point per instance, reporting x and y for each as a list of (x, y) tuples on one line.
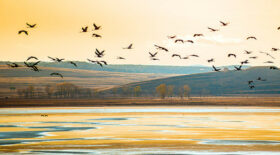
[(100, 53)]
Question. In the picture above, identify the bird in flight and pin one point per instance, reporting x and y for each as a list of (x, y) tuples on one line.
[(210, 60), (245, 62), (56, 74), (73, 63), (154, 59), (278, 28), (98, 62), (31, 64), (231, 54), (179, 40), (96, 35), (190, 41), (31, 57), (23, 31), (268, 54), (171, 37), (251, 87), (223, 23), (176, 55), (56, 59), (261, 79), (194, 55), (273, 67), (269, 62), (161, 48), (129, 47), (254, 57), (121, 58), (30, 26), (85, 29), (250, 82), (198, 35), (13, 65), (153, 55), (216, 69), (251, 37), (98, 53), (212, 29), (247, 52), (96, 27), (238, 68), (275, 49)]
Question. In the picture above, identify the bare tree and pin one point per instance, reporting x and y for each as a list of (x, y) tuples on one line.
[(161, 90)]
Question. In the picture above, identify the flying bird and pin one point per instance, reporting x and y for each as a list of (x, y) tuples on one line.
[(30, 26), (73, 63), (56, 74), (154, 59), (153, 55), (31, 57), (194, 55), (179, 40), (269, 62), (96, 35), (216, 69), (254, 57), (121, 58), (129, 47), (190, 41), (185, 57), (238, 68), (56, 59), (245, 62), (251, 87), (161, 48), (96, 27), (251, 37), (223, 23), (98, 53), (231, 54), (198, 35), (275, 49), (31, 64), (13, 65), (176, 55), (212, 29), (85, 29), (247, 52), (260, 79), (171, 37), (23, 31), (268, 54), (210, 60), (273, 68), (278, 28), (98, 62), (250, 82)]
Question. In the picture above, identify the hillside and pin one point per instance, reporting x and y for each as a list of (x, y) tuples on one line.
[(22, 77), (217, 83)]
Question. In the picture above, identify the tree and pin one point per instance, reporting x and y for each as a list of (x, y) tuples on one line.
[(125, 90), (181, 92), (161, 90), (137, 91), (170, 89), (30, 91), (187, 91)]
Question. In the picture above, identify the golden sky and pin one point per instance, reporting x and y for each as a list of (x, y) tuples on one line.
[(143, 23)]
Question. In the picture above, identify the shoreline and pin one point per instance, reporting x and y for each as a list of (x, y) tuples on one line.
[(194, 101)]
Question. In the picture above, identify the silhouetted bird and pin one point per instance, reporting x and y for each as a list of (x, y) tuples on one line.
[(250, 82), (254, 57), (269, 62), (251, 37), (153, 55), (198, 35), (251, 87), (96, 35), (13, 65), (73, 63), (154, 59), (176, 55), (96, 27), (161, 48), (98, 53), (216, 69), (179, 40), (104, 62), (275, 49), (247, 52), (98, 62), (185, 57), (56, 59), (268, 54), (190, 41), (85, 29), (245, 62), (278, 28), (238, 68), (30, 26), (23, 31), (31, 64), (223, 23), (171, 37), (210, 60), (212, 29), (31, 57), (129, 47), (273, 68), (122, 58), (194, 55), (57, 74), (230, 54)]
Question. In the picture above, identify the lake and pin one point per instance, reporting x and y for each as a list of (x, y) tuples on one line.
[(140, 130)]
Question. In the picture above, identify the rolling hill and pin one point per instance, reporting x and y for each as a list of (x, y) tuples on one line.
[(216, 83)]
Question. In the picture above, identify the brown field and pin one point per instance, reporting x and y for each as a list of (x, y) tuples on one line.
[(199, 101)]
